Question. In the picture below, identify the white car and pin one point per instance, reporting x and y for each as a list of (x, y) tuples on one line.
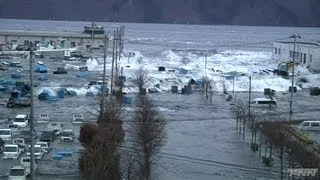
[(67, 135), (21, 120), (77, 118), (44, 146), (11, 151), (6, 134), (56, 127), (25, 162), (14, 129), (21, 143), (38, 152), (17, 173), (44, 117)]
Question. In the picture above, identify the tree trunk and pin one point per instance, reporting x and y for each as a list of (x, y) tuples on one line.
[(147, 165), (281, 163), (244, 128), (260, 143), (237, 122)]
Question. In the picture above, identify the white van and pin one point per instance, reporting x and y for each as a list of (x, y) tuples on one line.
[(6, 134), (264, 101), (77, 118), (21, 120), (11, 151), (14, 128), (21, 143), (56, 127), (44, 117), (67, 135), (17, 173), (38, 152), (44, 146), (310, 126)]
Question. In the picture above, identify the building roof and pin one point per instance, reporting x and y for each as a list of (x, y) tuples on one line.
[(49, 34), (21, 116), (300, 42)]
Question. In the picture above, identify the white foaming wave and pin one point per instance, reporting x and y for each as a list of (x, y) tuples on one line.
[(244, 62), (71, 67), (92, 64)]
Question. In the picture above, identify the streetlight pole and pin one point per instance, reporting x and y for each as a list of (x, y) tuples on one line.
[(32, 158), (106, 40), (292, 75)]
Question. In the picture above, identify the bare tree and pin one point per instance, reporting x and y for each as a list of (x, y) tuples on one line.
[(148, 133), (100, 158), (140, 78), (208, 86), (129, 166), (224, 87)]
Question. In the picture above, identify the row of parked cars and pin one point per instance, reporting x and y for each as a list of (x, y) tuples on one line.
[(15, 140)]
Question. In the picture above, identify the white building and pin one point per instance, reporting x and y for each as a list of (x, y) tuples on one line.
[(306, 53), (70, 39)]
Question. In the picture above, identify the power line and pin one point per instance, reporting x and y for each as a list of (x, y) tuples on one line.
[(209, 162)]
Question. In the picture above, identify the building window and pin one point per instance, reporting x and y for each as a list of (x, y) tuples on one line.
[(100, 46), (279, 51), (310, 57), (275, 50), (73, 44), (304, 58), (26, 42), (291, 53), (88, 46)]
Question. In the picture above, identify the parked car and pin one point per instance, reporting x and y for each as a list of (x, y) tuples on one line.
[(6, 134), (26, 135), (11, 151), (44, 117), (21, 143), (67, 135), (44, 146), (14, 128), (38, 152), (56, 127), (47, 136), (17, 173), (77, 118), (1, 145), (21, 120)]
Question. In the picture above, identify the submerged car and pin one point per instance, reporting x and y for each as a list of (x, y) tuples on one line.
[(17, 173)]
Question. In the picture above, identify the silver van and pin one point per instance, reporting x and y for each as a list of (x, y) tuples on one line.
[(310, 126)]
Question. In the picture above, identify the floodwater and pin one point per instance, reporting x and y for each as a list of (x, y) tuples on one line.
[(202, 142)]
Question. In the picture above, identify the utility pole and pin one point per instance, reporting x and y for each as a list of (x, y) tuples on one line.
[(249, 113), (32, 158), (106, 40), (116, 49), (112, 64), (205, 63), (292, 76), (92, 39)]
